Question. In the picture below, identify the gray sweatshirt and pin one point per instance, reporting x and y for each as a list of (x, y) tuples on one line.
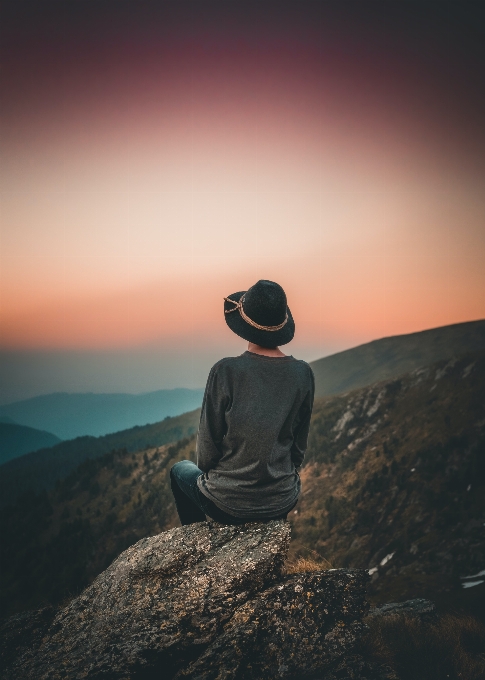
[(253, 434)]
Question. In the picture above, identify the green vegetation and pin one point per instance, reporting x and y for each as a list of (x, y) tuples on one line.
[(390, 357), (39, 471)]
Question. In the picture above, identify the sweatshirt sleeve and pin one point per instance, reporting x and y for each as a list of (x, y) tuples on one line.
[(302, 428), (212, 426)]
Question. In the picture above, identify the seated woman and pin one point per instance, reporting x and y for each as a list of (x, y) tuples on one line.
[(254, 423)]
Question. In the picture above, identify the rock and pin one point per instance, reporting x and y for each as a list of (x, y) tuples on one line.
[(297, 627), (22, 632), (204, 601), (418, 608)]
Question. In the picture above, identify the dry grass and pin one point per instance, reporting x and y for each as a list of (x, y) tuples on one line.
[(307, 564), (453, 648)]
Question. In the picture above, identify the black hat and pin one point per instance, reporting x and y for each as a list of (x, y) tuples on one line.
[(260, 315)]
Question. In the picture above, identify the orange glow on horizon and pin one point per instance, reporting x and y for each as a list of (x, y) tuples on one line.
[(136, 194), (331, 305)]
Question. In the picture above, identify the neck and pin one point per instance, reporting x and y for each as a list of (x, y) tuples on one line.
[(265, 351)]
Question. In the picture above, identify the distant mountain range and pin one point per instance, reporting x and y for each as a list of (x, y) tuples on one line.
[(40, 470), (72, 415), (16, 440), (75, 415), (393, 481), (390, 357)]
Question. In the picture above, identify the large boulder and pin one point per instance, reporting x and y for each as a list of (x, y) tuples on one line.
[(204, 601)]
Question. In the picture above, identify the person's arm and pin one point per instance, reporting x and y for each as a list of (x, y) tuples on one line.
[(212, 426), (302, 429)]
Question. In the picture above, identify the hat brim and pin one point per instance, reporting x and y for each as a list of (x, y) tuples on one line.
[(263, 338)]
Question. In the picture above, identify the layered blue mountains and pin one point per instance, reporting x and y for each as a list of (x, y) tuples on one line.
[(16, 440), (68, 416)]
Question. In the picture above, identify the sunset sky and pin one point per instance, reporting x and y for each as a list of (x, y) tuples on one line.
[(157, 157)]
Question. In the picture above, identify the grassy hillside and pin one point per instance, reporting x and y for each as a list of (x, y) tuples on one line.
[(394, 469), (55, 543), (390, 357), (76, 415), (40, 470), (394, 481), (16, 440)]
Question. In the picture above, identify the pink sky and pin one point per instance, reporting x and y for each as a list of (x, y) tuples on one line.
[(147, 174)]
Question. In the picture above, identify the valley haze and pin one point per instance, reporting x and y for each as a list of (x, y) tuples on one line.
[(69, 415), (74, 415)]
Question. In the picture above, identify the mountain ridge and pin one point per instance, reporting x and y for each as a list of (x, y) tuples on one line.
[(17, 440), (70, 415), (393, 482), (394, 355), (40, 470)]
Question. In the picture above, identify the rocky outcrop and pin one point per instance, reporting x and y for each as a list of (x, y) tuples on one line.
[(23, 632), (204, 601)]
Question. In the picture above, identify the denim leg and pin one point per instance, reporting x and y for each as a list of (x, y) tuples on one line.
[(183, 479), (192, 506)]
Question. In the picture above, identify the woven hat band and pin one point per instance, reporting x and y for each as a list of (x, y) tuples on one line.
[(238, 306)]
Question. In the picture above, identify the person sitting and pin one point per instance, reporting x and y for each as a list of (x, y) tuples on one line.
[(254, 422)]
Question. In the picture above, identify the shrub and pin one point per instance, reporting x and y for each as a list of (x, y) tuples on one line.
[(453, 647)]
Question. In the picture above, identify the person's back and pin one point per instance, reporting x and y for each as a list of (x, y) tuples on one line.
[(253, 433), (254, 422)]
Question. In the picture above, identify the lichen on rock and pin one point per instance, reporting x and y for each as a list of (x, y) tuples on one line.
[(204, 601)]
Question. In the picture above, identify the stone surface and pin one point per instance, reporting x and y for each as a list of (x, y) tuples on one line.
[(205, 602), (301, 625), (22, 632), (418, 608)]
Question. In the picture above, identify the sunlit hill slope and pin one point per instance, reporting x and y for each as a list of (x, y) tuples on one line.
[(394, 481), (389, 357)]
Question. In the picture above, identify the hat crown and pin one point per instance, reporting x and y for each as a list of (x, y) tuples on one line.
[(265, 303)]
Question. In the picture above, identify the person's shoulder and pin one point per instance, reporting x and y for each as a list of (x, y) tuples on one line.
[(304, 366), (224, 363), (305, 371)]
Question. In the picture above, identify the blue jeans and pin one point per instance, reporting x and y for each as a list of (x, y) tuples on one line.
[(192, 506)]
